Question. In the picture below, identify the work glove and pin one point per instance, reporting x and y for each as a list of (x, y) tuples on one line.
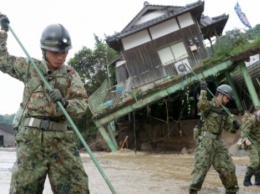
[(4, 22), (203, 85), (56, 96), (236, 124)]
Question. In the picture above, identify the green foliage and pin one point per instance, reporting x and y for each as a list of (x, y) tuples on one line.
[(87, 134), (233, 43), (256, 41), (7, 119), (86, 126), (92, 67), (92, 64)]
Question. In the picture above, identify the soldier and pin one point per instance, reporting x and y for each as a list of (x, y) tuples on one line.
[(45, 143), (210, 147), (251, 125)]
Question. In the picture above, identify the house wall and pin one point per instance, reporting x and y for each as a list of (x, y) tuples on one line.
[(9, 139), (145, 57)]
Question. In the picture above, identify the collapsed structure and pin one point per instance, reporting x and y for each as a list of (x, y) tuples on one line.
[(161, 55)]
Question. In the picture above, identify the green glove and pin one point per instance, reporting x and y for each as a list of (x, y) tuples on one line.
[(236, 124), (203, 85), (56, 96), (4, 21)]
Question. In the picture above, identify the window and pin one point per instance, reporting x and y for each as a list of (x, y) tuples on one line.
[(172, 53)]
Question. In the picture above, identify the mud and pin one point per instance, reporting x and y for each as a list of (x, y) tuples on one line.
[(139, 172)]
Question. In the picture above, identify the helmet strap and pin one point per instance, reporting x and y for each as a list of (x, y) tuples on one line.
[(222, 98), (220, 101), (44, 55)]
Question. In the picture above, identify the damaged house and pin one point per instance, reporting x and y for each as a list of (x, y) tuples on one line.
[(160, 49)]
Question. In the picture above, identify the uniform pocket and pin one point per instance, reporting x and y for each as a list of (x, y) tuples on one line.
[(27, 135), (212, 123), (70, 135)]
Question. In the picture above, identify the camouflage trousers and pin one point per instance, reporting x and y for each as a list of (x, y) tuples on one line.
[(53, 153), (209, 153), (254, 157)]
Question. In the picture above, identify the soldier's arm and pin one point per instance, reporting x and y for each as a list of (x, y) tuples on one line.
[(229, 126), (247, 125), (203, 103), (14, 66), (77, 96)]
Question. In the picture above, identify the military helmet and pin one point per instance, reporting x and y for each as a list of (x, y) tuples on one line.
[(55, 38), (226, 90)]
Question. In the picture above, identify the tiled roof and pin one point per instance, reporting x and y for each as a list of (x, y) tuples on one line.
[(209, 26), (7, 128), (172, 11), (212, 26)]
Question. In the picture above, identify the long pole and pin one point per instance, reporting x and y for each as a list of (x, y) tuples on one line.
[(66, 114)]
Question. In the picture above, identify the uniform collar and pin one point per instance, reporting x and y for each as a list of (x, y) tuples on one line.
[(58, 71)]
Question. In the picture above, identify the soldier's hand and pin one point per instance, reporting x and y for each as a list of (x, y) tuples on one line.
[(56, 96), (248, 143), (236, 124), (4, 22), (203, 85)]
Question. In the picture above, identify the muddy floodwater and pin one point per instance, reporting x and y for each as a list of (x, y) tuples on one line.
[(132, 172)]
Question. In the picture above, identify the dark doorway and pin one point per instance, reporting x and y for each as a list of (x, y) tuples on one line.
[(1, 140)]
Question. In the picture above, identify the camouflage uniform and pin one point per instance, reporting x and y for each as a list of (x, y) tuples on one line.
[(51, 152), (252, 127), (210, 147)]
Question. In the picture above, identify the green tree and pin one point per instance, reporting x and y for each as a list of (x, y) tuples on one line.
[(233, 42), (257, 30), (92, 67), (1, 118), (92, 64), (7, 119)]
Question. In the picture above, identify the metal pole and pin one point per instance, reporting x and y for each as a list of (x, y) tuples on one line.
[(107, 138), (237, 99), (249, 85), (111, 130), (66, 114)]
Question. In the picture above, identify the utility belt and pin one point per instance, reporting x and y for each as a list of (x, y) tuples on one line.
[(209, 135), (45, 124)]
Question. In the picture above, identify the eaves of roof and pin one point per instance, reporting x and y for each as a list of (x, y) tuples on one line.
[(150, 8), (118, 58), (213, 26), (7, 128), (197, 8)]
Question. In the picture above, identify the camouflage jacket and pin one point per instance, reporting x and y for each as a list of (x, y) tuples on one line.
[(215, 118), (36, 101), (251, 126)]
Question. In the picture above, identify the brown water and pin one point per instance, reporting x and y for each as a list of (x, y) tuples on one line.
[(139, 173)]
